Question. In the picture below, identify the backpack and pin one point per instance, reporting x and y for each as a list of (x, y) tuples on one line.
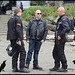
[(69, 28), (11, 28)]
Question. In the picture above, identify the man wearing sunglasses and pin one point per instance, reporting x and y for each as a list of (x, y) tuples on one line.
[(36, 34)]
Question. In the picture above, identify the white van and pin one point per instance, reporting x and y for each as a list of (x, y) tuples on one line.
[(26, 4)]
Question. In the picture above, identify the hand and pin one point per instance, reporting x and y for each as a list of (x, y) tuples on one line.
[(28, 41), (42, 41), (59, 37), (19, 43), (74, 30)]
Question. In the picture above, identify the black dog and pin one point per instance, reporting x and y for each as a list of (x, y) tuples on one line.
[(2, 65), (73, 61)]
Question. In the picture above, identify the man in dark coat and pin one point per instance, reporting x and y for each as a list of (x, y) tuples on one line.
[(73, 28), (36, 34), (15, 35), (63, 26)]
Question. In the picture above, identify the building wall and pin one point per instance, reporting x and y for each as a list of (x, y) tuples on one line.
[(59, 3)]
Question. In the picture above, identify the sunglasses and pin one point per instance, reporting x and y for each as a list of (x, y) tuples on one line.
[(39, 13)]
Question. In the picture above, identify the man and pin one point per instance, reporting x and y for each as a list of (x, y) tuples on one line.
[(36, 34), (63, 26), (73, 28), (15, 35)]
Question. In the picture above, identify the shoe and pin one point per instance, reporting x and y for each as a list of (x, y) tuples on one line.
[(24, 70), (73, 43), (62, 70), (15, 70), (26, 66), (54, 69), (37, 68)]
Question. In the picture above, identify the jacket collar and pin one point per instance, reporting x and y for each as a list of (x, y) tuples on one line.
[(62, 15), (41, 20), (35, 19), (16, 15)]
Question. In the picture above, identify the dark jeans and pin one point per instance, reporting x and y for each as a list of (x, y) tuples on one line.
[(58, 54), (18, 50), (33, 45)]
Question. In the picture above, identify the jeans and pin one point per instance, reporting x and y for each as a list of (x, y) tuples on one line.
[(33, 45)]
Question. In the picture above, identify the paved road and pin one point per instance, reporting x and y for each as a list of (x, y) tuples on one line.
[(45, 57)]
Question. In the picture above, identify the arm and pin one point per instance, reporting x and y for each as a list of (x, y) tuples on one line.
[(73, 24), (66, 27), (45, 31), (28, 31), (18, 29)]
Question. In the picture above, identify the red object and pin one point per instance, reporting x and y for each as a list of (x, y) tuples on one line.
[(51, 5)]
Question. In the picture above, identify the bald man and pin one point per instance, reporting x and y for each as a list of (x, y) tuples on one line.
[(63, 26), (36, 34)]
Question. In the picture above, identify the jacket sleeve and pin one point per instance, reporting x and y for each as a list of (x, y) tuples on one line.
[(45, 31), (18, 29), (66, 27), (28, 31), (73, 24)]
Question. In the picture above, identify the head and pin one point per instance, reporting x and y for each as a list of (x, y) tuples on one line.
[(18, 11), (4, 61), (38, 14), (73, 61), (61, 11)]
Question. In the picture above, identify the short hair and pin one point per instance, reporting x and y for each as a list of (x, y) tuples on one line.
[(17, 10)]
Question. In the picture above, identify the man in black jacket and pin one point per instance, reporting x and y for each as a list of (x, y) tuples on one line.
[(63, 26), (15, 35), (36, 34), (73, 28)]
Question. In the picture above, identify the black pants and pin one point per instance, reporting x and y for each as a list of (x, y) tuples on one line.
[(74, 36), (18, 50), (58, 54)]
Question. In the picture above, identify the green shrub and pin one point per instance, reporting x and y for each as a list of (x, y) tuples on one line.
[(47, 11)]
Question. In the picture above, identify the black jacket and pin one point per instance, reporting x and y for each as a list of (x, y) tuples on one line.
[(35, 31), (63, 26), (15, 28), (73, 23)]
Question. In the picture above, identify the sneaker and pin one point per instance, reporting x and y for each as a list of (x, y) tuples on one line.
[(24, 70), (15, 70), (62, 70), (54, 69), (37, 68), (26, 66), (73, 44)]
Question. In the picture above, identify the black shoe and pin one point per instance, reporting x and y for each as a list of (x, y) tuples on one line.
[(24, 70), (54, 69), (15, 70), (62, 70), (37, 68)]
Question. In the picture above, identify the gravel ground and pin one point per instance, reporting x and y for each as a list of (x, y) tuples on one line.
[(45, 57)]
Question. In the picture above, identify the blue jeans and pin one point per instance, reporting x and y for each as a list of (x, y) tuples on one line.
[(33, 45)]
